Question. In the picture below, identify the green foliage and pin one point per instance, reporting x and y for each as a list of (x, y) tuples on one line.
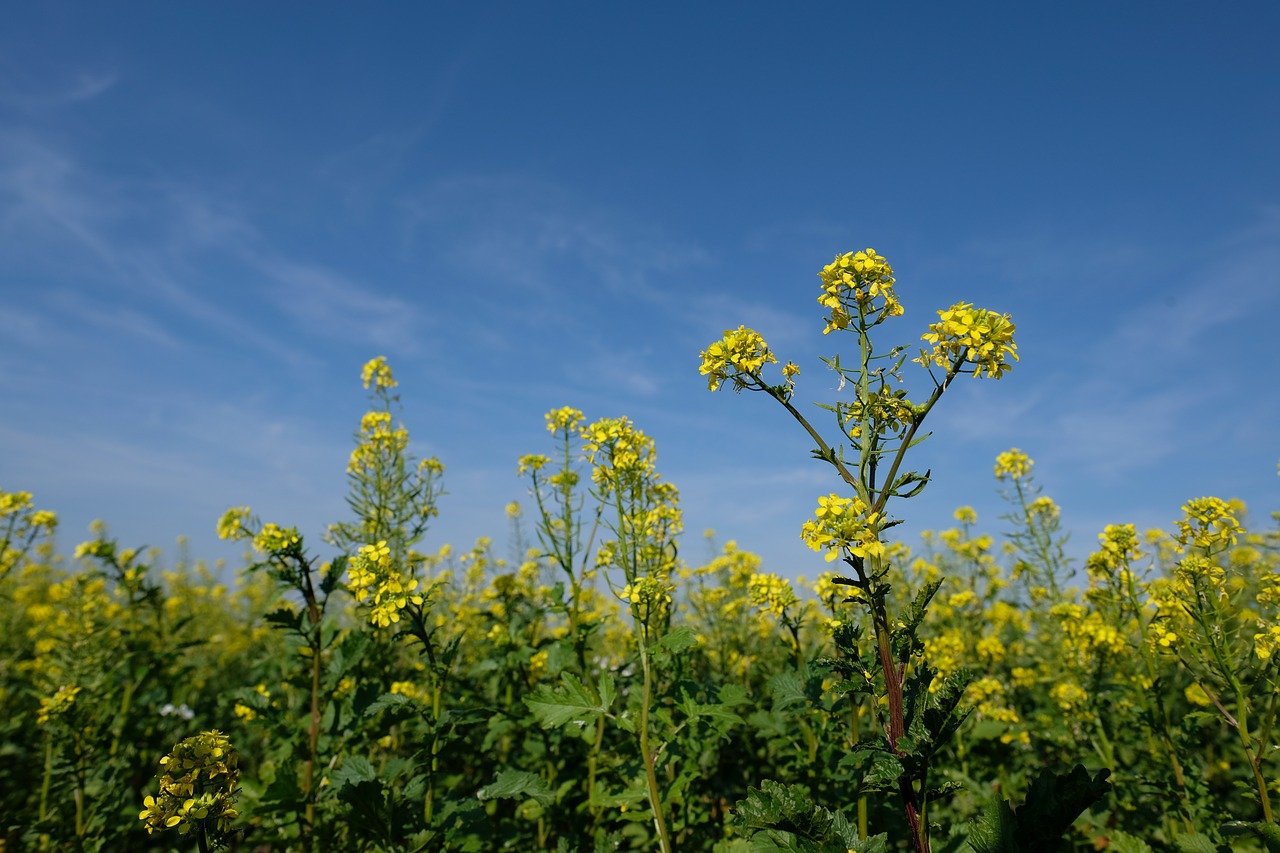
[(1053, 803), (596, 690)]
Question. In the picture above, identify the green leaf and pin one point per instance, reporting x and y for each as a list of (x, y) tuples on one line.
[(284, 618), (1123, 842), (678, 640), (884, 773), (1194, 842), (995, 829), (1055, 801), (387, 701), (787, 689), (518, 783), (354, 769), (570, 702), (784, 817)]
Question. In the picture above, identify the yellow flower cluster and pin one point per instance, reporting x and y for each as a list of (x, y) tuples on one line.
[(1044, 507), (378, 439), (231, 525), (58, 704), (1162, 637), (1208, 523), (1195, 573), (1013, 464), (198, 784), (1071, 697), (967, 335), (372, 577), (531, 462), (411, 690), (12, 503), (841, 524), (771, 593), (565, 418), (377, 373), (616, 448), (272, 538), (1266, 642), (851, 284), (742, 352), (648, 595), (1120, 548)]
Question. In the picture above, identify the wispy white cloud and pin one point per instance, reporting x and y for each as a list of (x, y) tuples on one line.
[(119, 321), (153, 244), (522, 233), (326, 303), (84, 86)]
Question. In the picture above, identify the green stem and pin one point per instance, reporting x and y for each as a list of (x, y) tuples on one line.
[(650, 770), (44, 789)]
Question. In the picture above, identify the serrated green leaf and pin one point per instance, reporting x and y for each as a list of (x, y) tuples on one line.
[(786, 689), (1194, 842), (387, 701), (569, 702), (608, 690), (354, 769), (518, 783), (784, 817), (993, 831), (1053, 803), (678, 640)]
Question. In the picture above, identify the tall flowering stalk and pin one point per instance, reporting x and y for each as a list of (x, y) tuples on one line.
[(1224, 640), (645, 521), (880, 424), (394, 497)]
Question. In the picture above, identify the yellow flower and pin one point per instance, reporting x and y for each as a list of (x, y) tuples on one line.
[(852, 283), (564, 418), (1196, 695), (1208, 523), (772, 593), (57, 704), (273, 537), (198, 784), (740, 353), (1266, 643), (1013, 464), (231, 525), (1069, 696), (842, 524), (976, 336), (377, 373), (531, 462)]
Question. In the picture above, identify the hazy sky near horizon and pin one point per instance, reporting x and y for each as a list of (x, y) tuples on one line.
[(211, 214)]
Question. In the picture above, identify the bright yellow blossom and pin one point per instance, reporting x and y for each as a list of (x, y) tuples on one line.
[(742, 352), (377, 373), (976, 336), (1013, 464)]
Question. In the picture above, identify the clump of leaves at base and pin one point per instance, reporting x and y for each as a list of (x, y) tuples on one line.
[(784, 817)]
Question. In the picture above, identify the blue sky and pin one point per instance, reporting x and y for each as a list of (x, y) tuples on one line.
[(212, 214)]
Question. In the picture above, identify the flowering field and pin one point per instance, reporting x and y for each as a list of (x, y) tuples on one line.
[(379, 691)]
